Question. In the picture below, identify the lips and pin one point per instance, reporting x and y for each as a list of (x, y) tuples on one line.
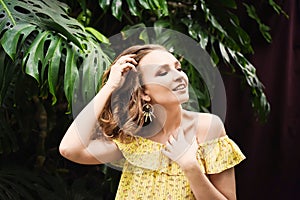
[(180, 87)]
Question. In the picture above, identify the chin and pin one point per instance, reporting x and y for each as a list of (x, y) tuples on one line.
[(184, 99)]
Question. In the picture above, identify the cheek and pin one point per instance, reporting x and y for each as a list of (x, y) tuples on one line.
[(157, 89), (160, 93)]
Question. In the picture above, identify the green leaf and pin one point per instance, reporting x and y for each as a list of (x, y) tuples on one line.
[(132, 8), (203, 39), (98, 35), (164, 7), (233, 19), (104, 4), (216, 24), (166, 38), (144, 36), (277, 8), (6, 10), (259, 101), (224, 52), (116, 9), (47, 15), (85, 17), (159, 25), (154, 4), (11, 38), (264, 29), (35, 56), (128, 31), (211, 18), (54, 57), (88, 81), (71, 75), (214, 55), (243, 37), (145, 4), (49, 47), (251, 12), (196, 32)]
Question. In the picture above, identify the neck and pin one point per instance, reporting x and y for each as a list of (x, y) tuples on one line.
[(169, 118), (165, 122)]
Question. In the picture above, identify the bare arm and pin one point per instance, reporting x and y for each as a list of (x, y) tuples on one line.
[(213, 186), (77, 144), (217, 186)]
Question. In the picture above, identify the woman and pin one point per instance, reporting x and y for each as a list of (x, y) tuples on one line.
[(169, 152)]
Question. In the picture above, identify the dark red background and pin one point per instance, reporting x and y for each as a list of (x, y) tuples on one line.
[(271, 170)]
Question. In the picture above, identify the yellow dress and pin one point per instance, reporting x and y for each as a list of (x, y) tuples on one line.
[(149, 174)]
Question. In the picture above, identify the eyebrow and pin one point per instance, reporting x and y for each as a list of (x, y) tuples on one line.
[(176, 63)]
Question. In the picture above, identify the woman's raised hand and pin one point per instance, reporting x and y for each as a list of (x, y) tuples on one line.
[(181, 150), (119, 70)]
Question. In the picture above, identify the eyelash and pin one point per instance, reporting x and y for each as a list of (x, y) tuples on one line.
[(164, 73)]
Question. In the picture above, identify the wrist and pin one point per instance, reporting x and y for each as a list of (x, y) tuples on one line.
[(189, 166), (110, 86)]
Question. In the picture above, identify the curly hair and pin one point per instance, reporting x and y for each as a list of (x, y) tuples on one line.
[(122, 115)]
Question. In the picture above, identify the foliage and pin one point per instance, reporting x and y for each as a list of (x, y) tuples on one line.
[(217, 29), (19, 183), (49, 49), (53, 39)]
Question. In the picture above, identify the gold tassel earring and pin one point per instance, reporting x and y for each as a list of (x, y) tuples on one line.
[(148, 113)]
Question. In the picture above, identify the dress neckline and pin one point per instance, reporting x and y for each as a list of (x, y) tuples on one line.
[(201, 144)]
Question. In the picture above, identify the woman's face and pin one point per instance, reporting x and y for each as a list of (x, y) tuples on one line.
[(164, 80)]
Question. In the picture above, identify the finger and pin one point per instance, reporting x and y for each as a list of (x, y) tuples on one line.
[(127, 67), (174, 133), (166, 153), (172, 139), (194, 144), (133, 67), (132, 60), (168, 146), (181, 134), (126, 58)]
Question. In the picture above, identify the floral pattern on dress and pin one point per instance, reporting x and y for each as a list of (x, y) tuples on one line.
[(149, 174)]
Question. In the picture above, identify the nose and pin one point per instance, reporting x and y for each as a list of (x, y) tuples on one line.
[(178, 76)]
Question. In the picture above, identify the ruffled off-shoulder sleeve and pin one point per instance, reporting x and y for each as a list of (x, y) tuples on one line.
[(143, 154), (219, 154)]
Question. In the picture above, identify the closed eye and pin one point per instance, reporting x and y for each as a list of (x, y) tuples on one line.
[(162, 73)]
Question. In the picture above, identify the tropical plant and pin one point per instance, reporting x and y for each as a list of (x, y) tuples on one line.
[(19, 183), (48, 49)]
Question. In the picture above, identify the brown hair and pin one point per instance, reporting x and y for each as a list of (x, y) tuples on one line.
[(122, 115)]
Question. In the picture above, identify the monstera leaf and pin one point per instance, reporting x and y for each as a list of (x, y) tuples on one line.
[(48, 41)]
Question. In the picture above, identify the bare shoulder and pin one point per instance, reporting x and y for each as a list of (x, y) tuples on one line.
[(207, 126)]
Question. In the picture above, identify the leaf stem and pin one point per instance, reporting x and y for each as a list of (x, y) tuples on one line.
[(8, 12)]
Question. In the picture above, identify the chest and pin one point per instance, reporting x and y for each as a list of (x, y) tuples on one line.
[(189, 127)]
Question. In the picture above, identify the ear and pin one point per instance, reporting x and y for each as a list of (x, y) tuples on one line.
[(145, 96)]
